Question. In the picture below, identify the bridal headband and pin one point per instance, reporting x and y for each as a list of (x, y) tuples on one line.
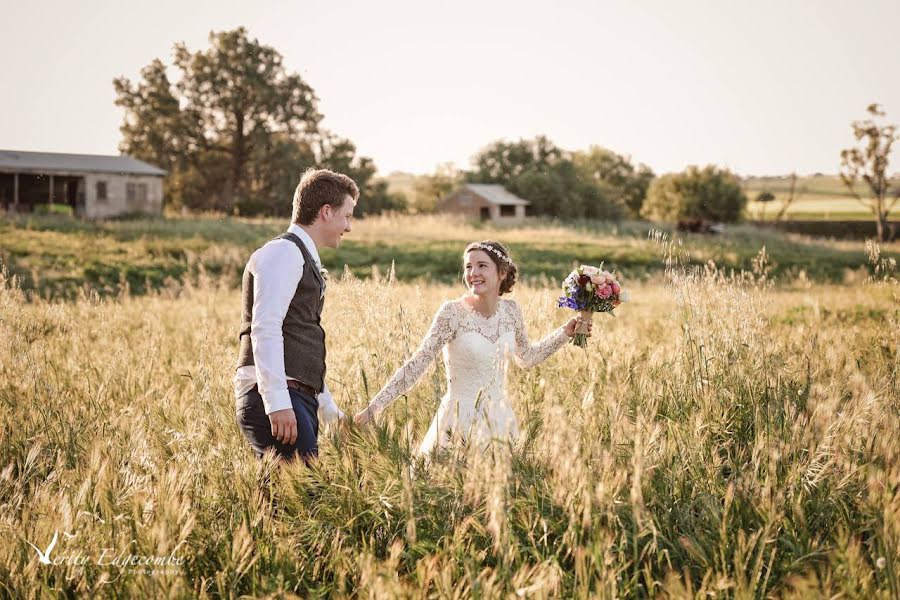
[(480, 246)]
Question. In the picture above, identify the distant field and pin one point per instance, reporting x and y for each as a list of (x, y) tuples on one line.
[(828, 208), (815, 197), (402, 183), (813, 185)]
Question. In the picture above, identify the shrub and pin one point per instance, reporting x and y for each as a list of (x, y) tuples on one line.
[(709, 193)]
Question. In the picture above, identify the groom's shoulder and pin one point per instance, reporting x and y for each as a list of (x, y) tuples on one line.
[(275, 254), (277, 247)]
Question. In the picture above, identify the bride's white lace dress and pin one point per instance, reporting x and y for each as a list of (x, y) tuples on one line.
[(476, 353)]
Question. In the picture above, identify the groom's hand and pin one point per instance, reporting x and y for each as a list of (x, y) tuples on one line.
[(284, 426)]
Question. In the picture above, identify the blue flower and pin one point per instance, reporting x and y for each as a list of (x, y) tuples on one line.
[(569, 303)]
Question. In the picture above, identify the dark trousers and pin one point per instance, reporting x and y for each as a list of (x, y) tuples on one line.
[(254, 422)]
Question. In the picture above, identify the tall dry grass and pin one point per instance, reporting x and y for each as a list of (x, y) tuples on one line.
[(722, 437)]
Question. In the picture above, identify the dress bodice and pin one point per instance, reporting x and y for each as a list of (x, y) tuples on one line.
[(476, 351)]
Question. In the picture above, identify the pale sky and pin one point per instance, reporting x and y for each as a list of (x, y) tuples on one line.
[(762, 87)]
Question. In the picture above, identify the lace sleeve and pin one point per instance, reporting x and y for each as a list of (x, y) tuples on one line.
[(443, 327), (528, 354)]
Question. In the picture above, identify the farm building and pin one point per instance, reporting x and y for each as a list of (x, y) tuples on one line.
[(93, 186), (486, 202)]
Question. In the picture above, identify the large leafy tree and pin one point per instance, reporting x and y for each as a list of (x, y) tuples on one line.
[(235, 129), (501, 161), (339, 154), (625, 182), (545, 175), (708, 193)]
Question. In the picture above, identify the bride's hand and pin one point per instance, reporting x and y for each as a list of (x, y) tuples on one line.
[(574, 322), (363, 417)]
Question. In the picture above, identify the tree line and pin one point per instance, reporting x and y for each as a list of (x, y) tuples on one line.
[(235, 129), (597, 184)]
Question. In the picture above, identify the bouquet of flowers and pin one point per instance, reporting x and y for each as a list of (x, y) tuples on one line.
[(588, 290)]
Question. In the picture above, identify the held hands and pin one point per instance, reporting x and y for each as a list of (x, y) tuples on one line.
[(284, 424), (363, 417), (574, 322)]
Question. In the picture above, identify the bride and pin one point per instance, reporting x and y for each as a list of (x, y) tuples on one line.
[(477, 332)]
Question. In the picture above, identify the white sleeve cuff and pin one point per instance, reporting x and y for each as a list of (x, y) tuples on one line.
[(276, 400), (328, 410)]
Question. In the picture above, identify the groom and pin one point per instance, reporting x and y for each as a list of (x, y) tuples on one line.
[(280, 379)]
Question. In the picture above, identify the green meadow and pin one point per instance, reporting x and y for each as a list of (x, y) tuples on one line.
[(56, 256)]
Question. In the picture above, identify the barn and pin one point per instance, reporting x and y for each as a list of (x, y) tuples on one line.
[(486, 202), (93, 186)]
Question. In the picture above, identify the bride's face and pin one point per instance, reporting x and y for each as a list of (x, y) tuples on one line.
[(482, 275)]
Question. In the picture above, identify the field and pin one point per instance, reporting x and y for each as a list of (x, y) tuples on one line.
[(60, 257), (728, 434), (822, 197)]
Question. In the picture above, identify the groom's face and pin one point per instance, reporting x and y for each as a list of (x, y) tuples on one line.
[(336, 221)]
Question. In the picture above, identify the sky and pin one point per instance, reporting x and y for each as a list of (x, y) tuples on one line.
[(762, 87)]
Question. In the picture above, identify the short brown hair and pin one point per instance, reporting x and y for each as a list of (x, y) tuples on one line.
[(506, 266), (317, 188)]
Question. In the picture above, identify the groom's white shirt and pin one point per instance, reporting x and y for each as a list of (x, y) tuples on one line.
[(277, 268)]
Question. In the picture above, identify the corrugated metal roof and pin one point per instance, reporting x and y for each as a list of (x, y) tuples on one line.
[(496, 194), (14, 161)]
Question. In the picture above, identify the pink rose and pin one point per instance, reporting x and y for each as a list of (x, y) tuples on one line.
[(596, 280), (615, 288), (604, 291)]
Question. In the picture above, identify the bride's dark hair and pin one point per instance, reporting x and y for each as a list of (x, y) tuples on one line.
[(499, 254)]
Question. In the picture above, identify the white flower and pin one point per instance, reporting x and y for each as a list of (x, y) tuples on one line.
[(624, 296), (881, 562), (588, 270)]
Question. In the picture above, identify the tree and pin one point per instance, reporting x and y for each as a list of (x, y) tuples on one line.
[(559, 191), (154, 128), (709, 193), (429, 189), (545, 175), (235, 130), (870, 164), (500, 162), (339, 154), (625, 182), (764, 198), (793, 194)]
